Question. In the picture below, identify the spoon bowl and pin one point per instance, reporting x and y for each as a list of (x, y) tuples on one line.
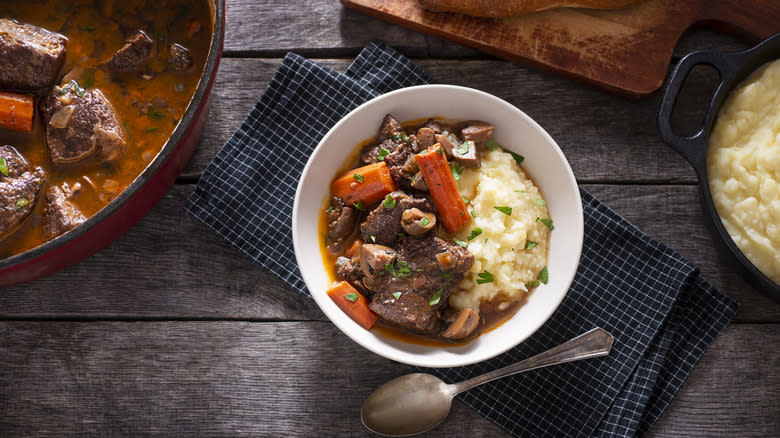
[(416, 403)]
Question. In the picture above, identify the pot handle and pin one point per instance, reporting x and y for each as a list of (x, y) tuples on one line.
[(694, 147)]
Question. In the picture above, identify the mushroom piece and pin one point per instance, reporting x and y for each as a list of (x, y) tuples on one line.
[(418, 182), (426, 138), (464, 325), (417, 222), (374, 258), (445, 143), (479, 132), (466, 154)]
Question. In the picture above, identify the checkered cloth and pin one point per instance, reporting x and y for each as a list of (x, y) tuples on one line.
[(662, 313)]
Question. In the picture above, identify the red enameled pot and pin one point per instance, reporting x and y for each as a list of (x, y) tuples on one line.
[(139, 197)]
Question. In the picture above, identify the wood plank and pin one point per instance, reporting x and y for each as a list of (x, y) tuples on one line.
[(273, 27), (170, 266), (605, 137), (295, 379)]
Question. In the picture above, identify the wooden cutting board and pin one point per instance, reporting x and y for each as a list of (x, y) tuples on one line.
[(625, 51)]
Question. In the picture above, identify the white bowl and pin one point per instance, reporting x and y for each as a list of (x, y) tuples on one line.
[(515, 131)]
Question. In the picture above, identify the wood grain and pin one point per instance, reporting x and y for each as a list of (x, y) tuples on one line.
[(626, 51), (288, 379)]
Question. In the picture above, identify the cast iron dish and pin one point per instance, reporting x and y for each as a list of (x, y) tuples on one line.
[(733, 69), (544, 161), (139, 197)]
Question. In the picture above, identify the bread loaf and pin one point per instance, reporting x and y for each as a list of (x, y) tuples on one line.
[(510, 8)]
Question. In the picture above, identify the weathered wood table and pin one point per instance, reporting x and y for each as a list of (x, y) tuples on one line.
[(170, 331)]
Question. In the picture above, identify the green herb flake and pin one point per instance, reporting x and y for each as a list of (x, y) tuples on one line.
[(506, 210), (353, 296), (3, 166), (518, 158), (21, 202), (457, 170), (389, 202), (484, 277), (461, 243), (329, 209), (383, 152), (547, 222), (532, 284), (154, 113), (373, 238), (474, 233), (446, 276), (541, 202), (436, 297), (391, 269), (403, 137), (465, 201), (359, 205), (425, 221), (544, 276), (440, 151), (463, 149), (530, 244), (491, 145), (397, 295), (358, 177), (403, 269)]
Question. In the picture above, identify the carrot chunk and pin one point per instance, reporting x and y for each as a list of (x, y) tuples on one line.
[(353, 303), (438, 177), (16, 111), (366, 184)]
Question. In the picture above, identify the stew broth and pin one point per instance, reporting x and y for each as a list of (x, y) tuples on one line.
[(149, 103)]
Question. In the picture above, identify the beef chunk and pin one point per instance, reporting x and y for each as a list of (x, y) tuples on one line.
[(349, 270), (464, 325), (414, 297), (180, 57), (29, 56), (60, 214), (426, 138), (136, 52), (18, 190), (390, 128), (478, 132), (80, 124), (341, 224), (383, 224)]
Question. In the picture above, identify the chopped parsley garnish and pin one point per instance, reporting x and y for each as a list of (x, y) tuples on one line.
[(436, 297), (532, 284), (154, 113), (21, 202), (391, 269), (465, 201), (541, 202), (547, 222), (506, 210), (74, 86), (403, 269), (351, 296), (403, 137), (446, 276), (383, 152), (463, 149), (474, 233), (3, 166), (530, 244), (473, 213), (461, 243), (357, 177), (440, 151), (373, 238), (359, 205), (396, 295), (484, 277), (425, 221), (457, 170), (389, 202), (492, 145), (544, 276), (518, 158), (330, 208)]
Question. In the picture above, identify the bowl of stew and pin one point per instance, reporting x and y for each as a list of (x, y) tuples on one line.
[(101, 106), (437, 225)]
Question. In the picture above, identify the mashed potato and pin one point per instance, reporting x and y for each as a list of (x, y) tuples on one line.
[(743, 166), (502, 249)]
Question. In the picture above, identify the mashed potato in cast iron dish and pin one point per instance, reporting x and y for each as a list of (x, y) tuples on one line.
[(743, 167), (436, 232)]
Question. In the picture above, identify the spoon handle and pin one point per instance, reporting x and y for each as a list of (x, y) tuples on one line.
[(594, 343)]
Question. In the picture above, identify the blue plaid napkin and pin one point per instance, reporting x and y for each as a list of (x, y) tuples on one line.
[(662, 313)]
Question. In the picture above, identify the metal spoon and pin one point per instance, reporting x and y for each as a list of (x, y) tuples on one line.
[(416, 403)]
